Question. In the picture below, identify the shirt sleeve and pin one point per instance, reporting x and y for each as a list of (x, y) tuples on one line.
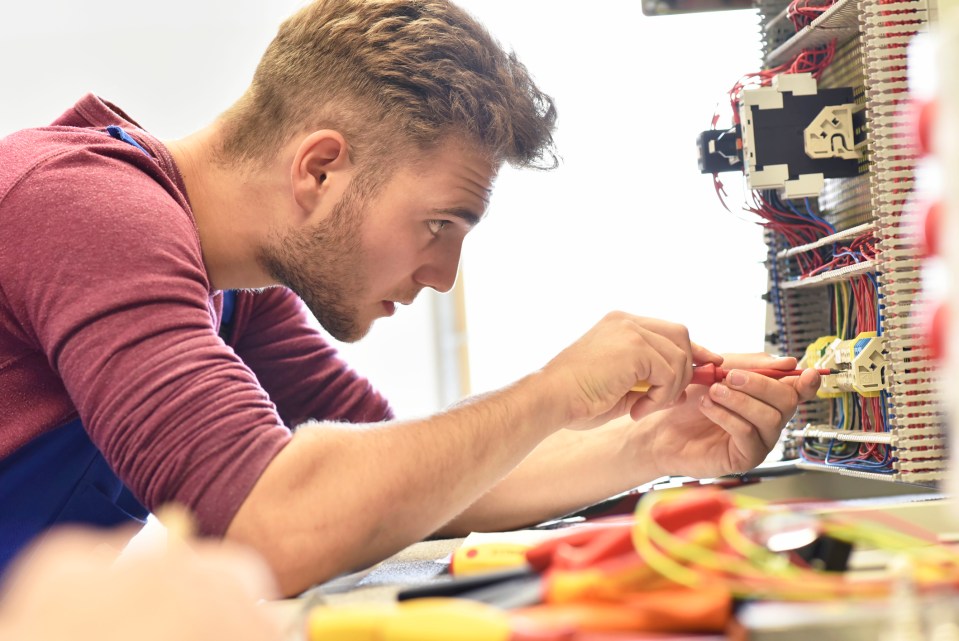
[(109, 284), (300, 370)]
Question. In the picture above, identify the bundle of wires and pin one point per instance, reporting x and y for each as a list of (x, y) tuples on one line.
[(802, 12), (796, 226), (813, 61), (729, 546), (862, 248)]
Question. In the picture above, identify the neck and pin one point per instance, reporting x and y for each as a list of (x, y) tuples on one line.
[(231, 212)]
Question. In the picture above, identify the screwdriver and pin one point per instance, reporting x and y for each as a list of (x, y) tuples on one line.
[(709, 373)]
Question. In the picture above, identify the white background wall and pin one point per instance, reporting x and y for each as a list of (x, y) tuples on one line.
[(626, 222)]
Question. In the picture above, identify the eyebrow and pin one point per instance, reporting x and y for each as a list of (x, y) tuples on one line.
[(462, 213)]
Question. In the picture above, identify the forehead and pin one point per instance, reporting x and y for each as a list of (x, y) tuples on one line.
[(457, 169)]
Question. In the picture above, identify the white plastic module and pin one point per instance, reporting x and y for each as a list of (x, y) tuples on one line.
[(830, 134)]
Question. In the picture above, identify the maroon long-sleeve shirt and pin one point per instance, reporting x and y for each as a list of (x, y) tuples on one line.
[(107, 314)]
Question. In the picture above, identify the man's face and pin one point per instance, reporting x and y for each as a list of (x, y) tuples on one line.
[(374, 251)]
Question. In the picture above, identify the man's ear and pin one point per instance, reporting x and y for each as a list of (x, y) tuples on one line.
[(321, 169)]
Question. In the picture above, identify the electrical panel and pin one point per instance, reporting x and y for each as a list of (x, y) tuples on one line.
[(822, 136)]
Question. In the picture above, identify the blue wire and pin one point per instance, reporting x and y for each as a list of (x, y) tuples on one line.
[(856, 256), (813, 216)]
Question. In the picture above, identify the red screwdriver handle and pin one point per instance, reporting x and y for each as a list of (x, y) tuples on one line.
[(707, 374)]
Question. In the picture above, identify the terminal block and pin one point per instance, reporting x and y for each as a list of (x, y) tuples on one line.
[(863, 364), (860, 364)]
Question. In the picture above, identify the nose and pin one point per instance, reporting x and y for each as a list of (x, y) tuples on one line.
[(439, 271)]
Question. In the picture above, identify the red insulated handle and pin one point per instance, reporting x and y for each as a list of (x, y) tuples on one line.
[(708, 374)]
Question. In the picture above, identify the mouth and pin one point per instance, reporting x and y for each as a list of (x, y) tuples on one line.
[(390, 305)]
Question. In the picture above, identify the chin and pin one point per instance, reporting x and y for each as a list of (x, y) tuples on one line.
[(354, 333)]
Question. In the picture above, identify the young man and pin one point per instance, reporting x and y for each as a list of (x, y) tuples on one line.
[(345, 179)]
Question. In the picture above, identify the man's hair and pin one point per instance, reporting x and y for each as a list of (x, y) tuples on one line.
[(387, 74)]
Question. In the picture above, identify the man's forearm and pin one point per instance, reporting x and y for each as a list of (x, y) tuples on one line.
[(567, 471), (340, 497)]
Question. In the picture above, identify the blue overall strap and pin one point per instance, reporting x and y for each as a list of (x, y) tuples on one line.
[(229, 302), (59, 477), (226, 314), (119, 134)]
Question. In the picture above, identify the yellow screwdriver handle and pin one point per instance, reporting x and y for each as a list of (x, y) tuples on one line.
[(488, 557), (430, 619)]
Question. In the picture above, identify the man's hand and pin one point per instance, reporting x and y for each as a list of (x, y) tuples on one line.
[(594, 376), (728, 427)]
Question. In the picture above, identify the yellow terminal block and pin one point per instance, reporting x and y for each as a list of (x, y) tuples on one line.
[(864, 364)]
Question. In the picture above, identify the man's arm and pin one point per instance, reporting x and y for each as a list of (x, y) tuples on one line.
[(568, 471), (339, 497)]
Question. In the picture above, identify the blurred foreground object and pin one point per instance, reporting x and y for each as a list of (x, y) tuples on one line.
[(79, 584)]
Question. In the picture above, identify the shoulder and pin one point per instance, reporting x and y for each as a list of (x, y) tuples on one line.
[(81, 165), (60, 185)]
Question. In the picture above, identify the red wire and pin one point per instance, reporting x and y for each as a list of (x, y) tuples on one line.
[(801, 13)]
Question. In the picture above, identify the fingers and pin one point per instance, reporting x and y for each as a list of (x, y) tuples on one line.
[(642, 405), (807, 384), (667, 367), (602, 367), (753, 409), (675, 379)]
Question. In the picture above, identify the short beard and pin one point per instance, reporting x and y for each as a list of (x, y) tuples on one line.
[(324, 266)]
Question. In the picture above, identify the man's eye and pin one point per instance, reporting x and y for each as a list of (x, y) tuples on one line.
[(436, 225)]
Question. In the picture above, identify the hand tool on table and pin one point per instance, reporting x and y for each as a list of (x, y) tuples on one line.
[(429, 619)]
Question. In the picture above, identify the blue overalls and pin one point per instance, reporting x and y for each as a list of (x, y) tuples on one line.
[(61, 477)]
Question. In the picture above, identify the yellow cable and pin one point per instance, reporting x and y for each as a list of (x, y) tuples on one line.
[(749, 569)]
